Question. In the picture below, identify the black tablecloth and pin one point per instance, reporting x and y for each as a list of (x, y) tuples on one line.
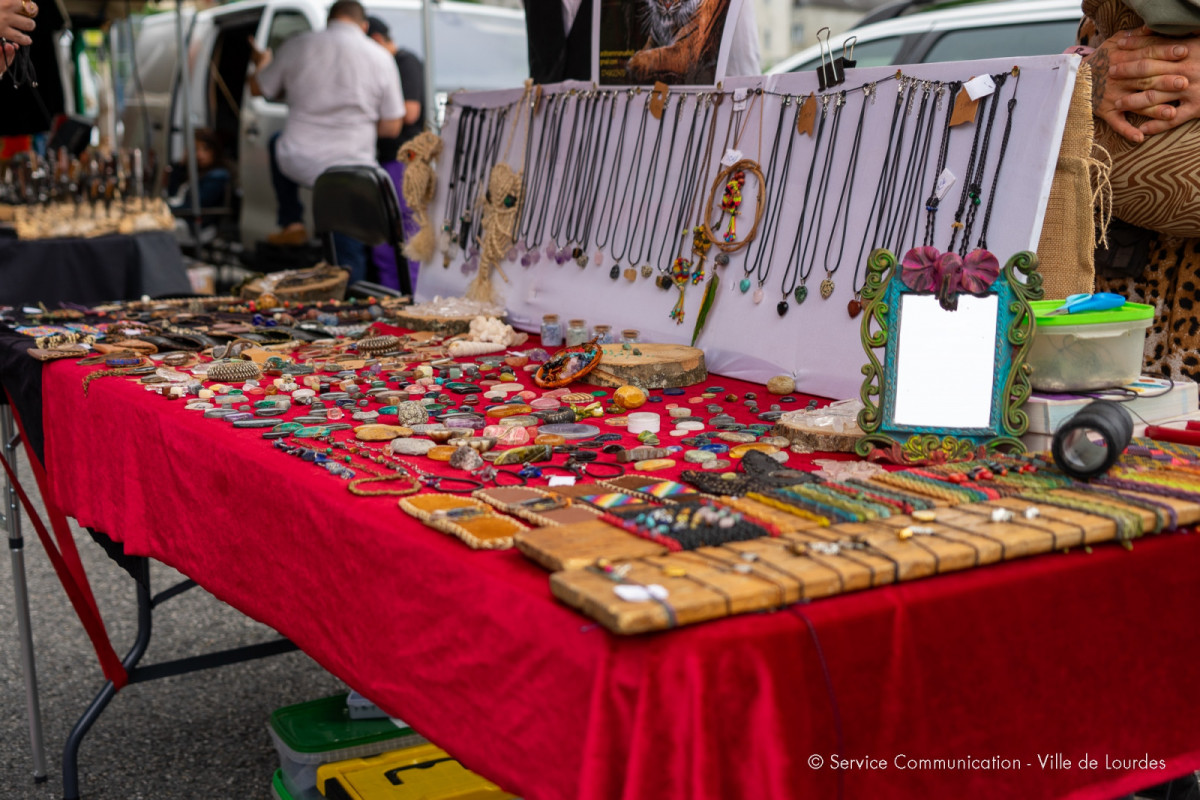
[(91, 271)]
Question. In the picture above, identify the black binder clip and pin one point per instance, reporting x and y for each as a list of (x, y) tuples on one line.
[(830, 73), (846, 60)]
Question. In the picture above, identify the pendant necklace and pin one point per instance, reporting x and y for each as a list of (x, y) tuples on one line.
[(458, 166), (684, 270), (574, 179), (854, 307), (487, 163), (538, 227), (675, 217), (471, 183), (623, 201), (841, 219), (579, 229), (563, 200), (610, 193), (975, 182), (890, 188), (764, 257), (792, 284), (538, 184), (649, 226)]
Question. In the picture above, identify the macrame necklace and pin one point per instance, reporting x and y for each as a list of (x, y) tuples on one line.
[(987, 215), (898, 190)]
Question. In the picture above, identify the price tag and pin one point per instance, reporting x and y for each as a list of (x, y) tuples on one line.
[(561, 480), (944, 182), (641, 594), (980, 86), (731, 157), (739, 99)]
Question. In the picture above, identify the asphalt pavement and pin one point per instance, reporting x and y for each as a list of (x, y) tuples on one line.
[(191, 737)]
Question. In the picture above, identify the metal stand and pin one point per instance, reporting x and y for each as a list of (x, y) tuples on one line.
[(16, 547), (145, 607)]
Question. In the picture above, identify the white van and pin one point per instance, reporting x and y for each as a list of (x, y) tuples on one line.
[(475, 47)]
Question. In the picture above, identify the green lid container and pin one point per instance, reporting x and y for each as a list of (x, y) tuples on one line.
[(324, 725), (1130, 312)]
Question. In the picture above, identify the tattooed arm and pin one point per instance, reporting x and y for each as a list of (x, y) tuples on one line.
[(1138, 72)]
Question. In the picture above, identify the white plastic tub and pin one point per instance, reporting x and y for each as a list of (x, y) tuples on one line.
[(1087, 351)]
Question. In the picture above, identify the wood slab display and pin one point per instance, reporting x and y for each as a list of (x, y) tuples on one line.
[(443, 325), (801, 428), (654, 366)]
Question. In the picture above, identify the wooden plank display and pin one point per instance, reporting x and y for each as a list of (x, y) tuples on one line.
[(815, 561), (650, 366)]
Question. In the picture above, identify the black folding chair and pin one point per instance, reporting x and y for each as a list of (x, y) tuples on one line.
[(360, 202)]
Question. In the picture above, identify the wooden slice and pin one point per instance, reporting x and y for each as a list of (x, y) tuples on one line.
[(441, 325), (654, 366), (812, 431)]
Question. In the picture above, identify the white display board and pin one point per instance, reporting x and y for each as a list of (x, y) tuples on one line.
[(817, 341)]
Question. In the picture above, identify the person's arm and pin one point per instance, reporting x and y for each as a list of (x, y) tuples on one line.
[(262, 59), (412, 85), (1139, 72), (391, 102), (16, 22)]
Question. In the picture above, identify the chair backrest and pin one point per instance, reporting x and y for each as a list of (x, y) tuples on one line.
[(358, 201)]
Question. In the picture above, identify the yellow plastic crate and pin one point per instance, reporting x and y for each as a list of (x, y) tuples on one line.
[(424, 772)]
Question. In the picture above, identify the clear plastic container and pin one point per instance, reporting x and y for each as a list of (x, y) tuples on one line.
[(1087, 351)]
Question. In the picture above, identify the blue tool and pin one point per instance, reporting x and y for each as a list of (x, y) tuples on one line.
[(1078, 303)]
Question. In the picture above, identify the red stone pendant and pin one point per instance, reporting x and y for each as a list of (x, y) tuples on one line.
[(854, 308)]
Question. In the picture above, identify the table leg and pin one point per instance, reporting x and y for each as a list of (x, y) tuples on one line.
[(16, 548)]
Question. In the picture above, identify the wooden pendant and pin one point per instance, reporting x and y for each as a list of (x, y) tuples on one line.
[(964, 109), (807, 117)]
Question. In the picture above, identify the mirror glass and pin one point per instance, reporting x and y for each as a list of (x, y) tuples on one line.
[(945, 362)]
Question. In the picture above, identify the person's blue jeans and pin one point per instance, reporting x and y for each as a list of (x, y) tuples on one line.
[(289, 209), (351, 254)]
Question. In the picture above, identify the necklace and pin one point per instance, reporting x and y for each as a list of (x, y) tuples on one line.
[(987, 215), (565, 196), (673, 216), (453, 210), (538, 226), (579, 231), (614, 207), (901, 191), (975, 182), (957, 225), (854, 307), (840, 219), (610, 197), (537, 180), (912, 188), (732, 180), (687, 166), (775, 183), (795, 287), (682, 269), (936, 192), (646, 240), (632, 195)]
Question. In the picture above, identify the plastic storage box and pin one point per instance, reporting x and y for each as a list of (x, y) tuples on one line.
[(424, 772), (307, 735), (1087, 351), (281, 789)]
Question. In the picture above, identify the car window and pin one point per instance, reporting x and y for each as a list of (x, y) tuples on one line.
[(876, 53), (284, 26), (1003, 41)]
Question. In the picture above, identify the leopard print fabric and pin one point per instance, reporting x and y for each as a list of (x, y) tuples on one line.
[(1170, 283)]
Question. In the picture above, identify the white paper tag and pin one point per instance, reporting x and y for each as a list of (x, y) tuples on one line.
[(731, 157), (979, 86), (944, 182), (739, 99), (641, 594), (561, 480)]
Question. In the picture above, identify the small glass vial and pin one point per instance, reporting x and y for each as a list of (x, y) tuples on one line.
[(629, 336), (552, 332), (577, 332), (603, 334)]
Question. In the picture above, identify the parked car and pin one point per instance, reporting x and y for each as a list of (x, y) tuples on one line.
[(476, 47), (959, 33)]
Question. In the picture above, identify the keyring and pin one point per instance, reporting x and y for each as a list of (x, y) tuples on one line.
[(589, 468), (437, 483)]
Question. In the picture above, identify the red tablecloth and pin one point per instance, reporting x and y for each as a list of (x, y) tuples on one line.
[(1087, 656)]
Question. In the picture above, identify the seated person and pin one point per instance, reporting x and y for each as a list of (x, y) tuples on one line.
[(213, 174)]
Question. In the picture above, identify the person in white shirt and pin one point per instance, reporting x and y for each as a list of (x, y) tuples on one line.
[(343, 92)]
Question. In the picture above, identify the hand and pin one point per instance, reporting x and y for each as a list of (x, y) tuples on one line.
[(6, 57), (1140, 72), (260, 57), (16, 20), (1180, 101)]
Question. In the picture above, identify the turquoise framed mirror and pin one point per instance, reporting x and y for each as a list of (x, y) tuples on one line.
[(953, 333)]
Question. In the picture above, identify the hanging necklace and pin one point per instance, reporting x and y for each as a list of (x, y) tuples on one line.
[(732, 182), (912, 188), (854, 307), (455, 193), (987, 215), (764, 257), (537, 183), (596, 169), (940, 180), (579, 227), (623, 200), (610, 195), (975, 182), (684, 270), (840, 219), (793, 282), (538, 226), (646, 239), (900, 191), (575, 176), (675, 215), (565, 196), (964, 196)]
